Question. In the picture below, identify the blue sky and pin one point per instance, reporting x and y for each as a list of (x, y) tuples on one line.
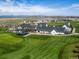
[(40, 7)]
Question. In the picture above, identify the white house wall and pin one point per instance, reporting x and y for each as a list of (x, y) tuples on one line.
[(55, 33)]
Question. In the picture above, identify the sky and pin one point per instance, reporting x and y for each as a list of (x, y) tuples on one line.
[(39, 7)]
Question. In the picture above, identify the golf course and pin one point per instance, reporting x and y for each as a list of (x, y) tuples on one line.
[(37, 46), (39, 29)]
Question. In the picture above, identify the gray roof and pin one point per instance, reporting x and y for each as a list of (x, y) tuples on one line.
[(27, 26), (42, 24), (49, 29), (42, 27), (59, 29)]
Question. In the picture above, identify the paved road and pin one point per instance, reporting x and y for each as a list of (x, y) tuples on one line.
[(51, 34)]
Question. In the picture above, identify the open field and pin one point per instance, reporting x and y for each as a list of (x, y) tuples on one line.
[(10, 20), (34, 46)]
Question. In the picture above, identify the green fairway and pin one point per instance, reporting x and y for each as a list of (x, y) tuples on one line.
[(36, 46)]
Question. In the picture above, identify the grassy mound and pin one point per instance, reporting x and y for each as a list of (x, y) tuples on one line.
[(9, 43)]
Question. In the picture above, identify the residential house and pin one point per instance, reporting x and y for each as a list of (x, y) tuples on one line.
[(18, 30), (58, 30), (43, 28), (68, 28)]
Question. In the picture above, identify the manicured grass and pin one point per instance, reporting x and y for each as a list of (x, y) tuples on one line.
[(59, 23), (70, 51), (76, 25), (9, 43), (42, 47)]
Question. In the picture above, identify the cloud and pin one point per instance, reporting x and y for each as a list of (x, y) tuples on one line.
[(9, 8), (35, 9), (23, 8), (75, 6), (8, 0)]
